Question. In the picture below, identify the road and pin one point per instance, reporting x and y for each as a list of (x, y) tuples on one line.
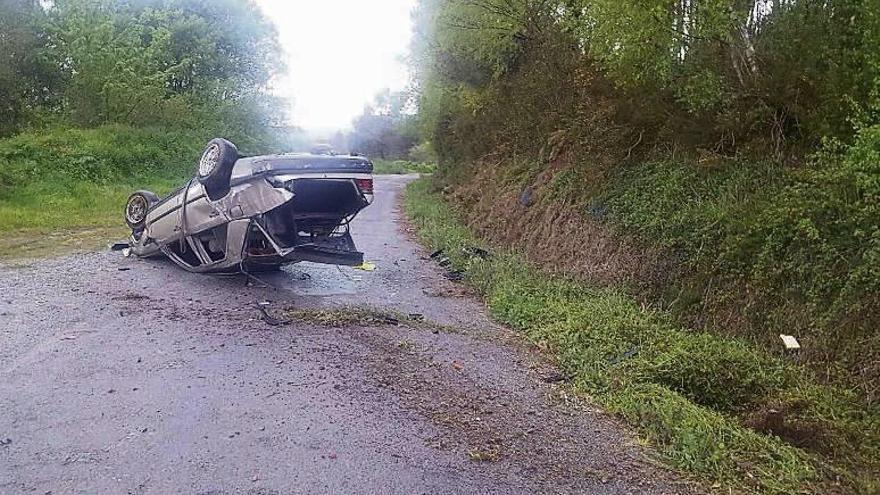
[(120, 375)]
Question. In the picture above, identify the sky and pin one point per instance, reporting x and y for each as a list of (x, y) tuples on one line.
[(339, 54)]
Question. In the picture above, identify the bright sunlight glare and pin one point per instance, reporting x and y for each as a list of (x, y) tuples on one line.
[(339, 54)]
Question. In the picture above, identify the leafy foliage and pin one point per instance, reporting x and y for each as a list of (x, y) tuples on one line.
[(28, 75), (765, 73), (188, 63)]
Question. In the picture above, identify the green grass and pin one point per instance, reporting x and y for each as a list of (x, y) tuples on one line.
[(73, 182), (388, 167), (688, 393)]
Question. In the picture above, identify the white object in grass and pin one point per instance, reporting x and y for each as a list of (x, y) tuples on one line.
[(790, 342)]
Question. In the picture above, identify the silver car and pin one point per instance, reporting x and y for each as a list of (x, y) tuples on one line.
[(255, 213)]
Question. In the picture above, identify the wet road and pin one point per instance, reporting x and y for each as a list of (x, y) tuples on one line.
[(128, 376)]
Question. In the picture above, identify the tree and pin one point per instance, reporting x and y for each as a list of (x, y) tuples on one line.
[(156, 61), (385, 130), (28, 78)]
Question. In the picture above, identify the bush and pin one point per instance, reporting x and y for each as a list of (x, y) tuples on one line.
[(102, 156), (818, 241)]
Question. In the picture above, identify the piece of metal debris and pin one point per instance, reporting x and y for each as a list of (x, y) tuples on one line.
[(626, 355), (269, 319)]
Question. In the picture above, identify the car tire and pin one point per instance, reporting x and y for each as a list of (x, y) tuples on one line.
[(215, 167), (137, 207)]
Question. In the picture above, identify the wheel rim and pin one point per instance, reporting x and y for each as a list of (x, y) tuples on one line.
[(209, 160), (136, 210)]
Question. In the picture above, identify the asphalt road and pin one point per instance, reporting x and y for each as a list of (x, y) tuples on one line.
[(122, 376)]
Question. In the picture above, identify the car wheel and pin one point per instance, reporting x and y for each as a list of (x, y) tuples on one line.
[(215, 167), (137, 207)]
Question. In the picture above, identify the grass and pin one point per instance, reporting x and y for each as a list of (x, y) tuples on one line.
[(388, 167), (690, 394), (362, 316), (353, 316), (786, 250), (64, 190)]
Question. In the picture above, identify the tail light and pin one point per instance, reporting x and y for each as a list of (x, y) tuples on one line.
[(365, 185)]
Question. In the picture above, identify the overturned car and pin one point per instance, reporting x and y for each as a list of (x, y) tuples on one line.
[(255, 213)]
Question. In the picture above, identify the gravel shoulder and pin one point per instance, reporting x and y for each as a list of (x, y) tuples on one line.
[(121, 375)]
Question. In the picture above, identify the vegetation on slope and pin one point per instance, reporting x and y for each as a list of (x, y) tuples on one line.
[(747, 162), (714, 161), (689, 393)]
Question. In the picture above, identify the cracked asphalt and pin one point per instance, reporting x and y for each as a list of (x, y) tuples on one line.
[(121, 375)]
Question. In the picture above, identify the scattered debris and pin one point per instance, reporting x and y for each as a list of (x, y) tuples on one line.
[(119, 246), (6, 441), (124, 268), (525, 198), (432, 292), (626, 355), (555, 377), (129, 296), (367, 266), (436, 254), (417, 317), (269, 319), (454, 275), (345, 317), (490, 454), (476, 252)]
